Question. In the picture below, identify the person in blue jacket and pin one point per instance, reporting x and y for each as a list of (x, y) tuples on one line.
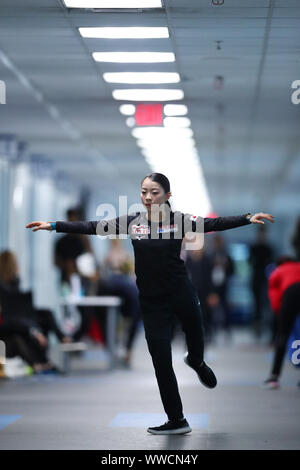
[(165, 290)]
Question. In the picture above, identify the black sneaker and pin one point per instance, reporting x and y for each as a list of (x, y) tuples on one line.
[(172, 427), (205, 374)]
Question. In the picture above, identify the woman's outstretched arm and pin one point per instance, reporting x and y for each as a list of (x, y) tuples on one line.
[(226, 223), (199, 224), (102, 227), (65, 227)]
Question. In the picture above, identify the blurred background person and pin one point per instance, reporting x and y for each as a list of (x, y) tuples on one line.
[(73, 256), (25, 342), (10, 283), (284, 294), (222, 270), (24, 327), (273, 295), (115, 258), (296, 239), (119, 269), (261, 255), (69, 247), (199, 266)]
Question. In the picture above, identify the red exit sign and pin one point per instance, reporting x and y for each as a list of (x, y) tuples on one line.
[(149, 114)]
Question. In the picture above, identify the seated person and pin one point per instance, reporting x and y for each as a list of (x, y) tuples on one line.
[(23, 327), (27, 344), (43, 319)]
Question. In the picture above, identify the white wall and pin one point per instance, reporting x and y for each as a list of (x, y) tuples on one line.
[(26, 196)]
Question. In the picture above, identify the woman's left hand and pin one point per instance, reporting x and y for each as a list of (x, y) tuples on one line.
[(256, 218)]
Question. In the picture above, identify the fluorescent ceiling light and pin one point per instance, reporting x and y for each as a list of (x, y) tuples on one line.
[(134, 57), (127, 109), (171, 154), (177, 122), (173, 139), (113, 3), (163, 144), (125, 33), (177, 135), (153, 94), (160, 132), (175, 109), (130, 122), (141, 77), (168, 150)]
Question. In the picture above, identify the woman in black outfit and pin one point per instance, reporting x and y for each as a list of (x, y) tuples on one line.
[(23, 328), (165, 289)]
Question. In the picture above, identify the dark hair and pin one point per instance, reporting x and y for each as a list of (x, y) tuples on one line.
[(74, 212), (162, 180), (284, 259), (295, 239)]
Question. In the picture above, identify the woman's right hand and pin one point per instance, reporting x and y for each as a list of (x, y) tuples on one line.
[(39, 225)]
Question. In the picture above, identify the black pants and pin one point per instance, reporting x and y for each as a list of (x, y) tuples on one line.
[(207, 315), (124, 287), (23, 345), (47, 322), (290, 308), (160, 315), (121, 285), (259, 287)]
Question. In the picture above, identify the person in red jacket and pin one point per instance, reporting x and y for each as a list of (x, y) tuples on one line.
[(284, 295)]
